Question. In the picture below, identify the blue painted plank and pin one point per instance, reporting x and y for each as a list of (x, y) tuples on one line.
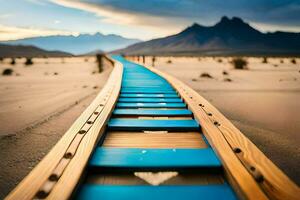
[(151, 105), (153, 82), (138, 158), (150, 100), (164, 192), (140, 125), (151, 112), (148, 87), (145, 85), (149, 95), (144, 91)]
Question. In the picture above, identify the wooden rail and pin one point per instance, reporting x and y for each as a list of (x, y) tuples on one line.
[(251, 173), (56, 176)]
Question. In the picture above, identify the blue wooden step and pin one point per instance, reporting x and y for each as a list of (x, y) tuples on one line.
[(144, 83), (148, 112), (151, 105), (148, 87), (149, 95), (150, 100), (145, 91), (164, 192), (136, 158), (144, 125)]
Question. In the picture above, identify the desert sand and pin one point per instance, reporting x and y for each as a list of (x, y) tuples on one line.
[(263, 101), (38, 104)]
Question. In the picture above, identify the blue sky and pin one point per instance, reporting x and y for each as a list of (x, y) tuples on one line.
[(143, 19)]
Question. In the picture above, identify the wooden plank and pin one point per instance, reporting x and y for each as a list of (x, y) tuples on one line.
[(151, 105), (154, 140), (149, 117), (145, 192), (169, 118), (139, 158), (40, 175), (120, 124), (139, 95), (150, 100), (152, 112), (129, 178), (143, 91), (225, 138)]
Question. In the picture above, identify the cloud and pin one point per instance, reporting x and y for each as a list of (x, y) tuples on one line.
[(13, 33), (109, 13), (175, 14), (145, 19), (113, 15)]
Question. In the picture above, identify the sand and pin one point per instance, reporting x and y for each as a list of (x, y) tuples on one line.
[(37, 107), (263, 101)]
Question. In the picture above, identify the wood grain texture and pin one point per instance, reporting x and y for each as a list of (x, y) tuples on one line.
[(239, 176), (224, 137), (70, 178), (154, 140), (180, 179), (169, 117), (150, 117), (30, 185)]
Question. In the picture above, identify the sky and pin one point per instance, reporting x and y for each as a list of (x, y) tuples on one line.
[(142, 19)]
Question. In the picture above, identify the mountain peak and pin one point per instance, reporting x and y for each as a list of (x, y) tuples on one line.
[(98, 34), (233, 21), (225, 22), (193, 28), (79, 44), (195, 25), (230, 36), (224, 19)]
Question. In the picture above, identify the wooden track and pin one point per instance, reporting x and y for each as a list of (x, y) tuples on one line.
[(148, 128), (228, 141)]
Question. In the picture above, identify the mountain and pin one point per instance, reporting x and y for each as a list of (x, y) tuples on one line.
[(227, 37), (80, 44), (28, 51)]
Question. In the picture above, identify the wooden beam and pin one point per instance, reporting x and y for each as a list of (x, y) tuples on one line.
[(76, 145), (154, 140), (129, 178), (251, 173)]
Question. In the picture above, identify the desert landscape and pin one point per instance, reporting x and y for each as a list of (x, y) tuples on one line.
[(38, 104), (90, 108)]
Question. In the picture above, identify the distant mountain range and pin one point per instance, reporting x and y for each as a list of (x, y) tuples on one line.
[(28, 51), (227, 37), (80, 44)]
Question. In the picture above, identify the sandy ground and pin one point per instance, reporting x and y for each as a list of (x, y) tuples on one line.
[(263, 102), (37, 107)]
